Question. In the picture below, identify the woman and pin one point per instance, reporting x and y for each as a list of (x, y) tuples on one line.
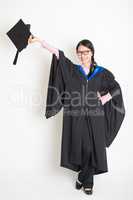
[(93, 110)]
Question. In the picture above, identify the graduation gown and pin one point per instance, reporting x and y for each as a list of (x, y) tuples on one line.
[(83, 113)]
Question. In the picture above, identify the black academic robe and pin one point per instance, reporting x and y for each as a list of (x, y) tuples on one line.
[(83, 112)]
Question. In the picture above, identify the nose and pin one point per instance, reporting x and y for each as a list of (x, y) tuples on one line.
[(82, 56)]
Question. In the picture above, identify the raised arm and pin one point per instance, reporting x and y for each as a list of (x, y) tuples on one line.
[(50, 48), (45, 45)]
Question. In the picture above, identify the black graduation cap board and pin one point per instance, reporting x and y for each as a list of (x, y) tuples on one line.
[(19, 35)]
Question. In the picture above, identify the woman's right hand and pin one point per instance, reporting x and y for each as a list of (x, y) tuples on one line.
[(33, 39), (44, 44)]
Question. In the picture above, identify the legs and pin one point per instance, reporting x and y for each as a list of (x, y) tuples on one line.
[(85, 176)]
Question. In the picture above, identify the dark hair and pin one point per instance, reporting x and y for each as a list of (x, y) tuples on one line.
[(88, 44)]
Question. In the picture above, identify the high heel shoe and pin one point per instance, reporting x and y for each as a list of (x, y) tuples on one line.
[(88, 190), (78, 185)]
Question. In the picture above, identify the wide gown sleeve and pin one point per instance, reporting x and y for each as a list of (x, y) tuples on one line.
[(58, 79), (114, 109)]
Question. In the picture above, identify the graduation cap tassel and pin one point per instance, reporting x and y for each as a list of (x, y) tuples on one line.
[(16, 57)]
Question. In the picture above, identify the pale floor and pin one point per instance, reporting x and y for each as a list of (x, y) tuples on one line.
[(61, 186)]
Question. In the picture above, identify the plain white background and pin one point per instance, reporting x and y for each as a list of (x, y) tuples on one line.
[(30, 143)]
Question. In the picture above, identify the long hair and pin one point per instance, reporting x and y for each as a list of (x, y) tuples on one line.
[(88, 44)]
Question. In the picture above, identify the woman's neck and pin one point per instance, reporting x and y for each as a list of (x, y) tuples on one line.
[(87, 65)]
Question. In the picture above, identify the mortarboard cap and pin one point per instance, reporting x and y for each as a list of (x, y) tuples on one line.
[(19, 35)]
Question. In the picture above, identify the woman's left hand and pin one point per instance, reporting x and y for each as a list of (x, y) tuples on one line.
[(32, 39), (104, 98)]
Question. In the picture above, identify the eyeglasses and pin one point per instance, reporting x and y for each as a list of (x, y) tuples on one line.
[(85, 53)]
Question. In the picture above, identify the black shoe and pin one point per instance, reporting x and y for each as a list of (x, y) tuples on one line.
[(88, 190), (78, 185)]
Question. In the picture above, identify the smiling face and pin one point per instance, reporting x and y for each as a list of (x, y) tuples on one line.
[(84, 55)]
